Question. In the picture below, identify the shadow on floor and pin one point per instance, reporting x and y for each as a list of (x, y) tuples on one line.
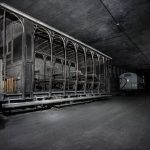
[(3, 121)]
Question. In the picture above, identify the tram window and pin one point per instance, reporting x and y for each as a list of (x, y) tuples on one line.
[(8, 59), (97, 69), (89, 69), (102, 68), (17, 48)]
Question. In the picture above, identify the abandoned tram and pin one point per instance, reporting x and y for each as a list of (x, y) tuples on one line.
[(41, 65)]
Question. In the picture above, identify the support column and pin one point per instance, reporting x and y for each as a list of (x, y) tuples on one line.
[(109, 76), (4, 46), (105, 74), (51, 35), (33, 63), (27, 58), (98, 57), (85, 84), (65, 70), (77, 69), (69, 65), (101, 63), (93, 65), (23, 64), (62, 68), (44, 59)]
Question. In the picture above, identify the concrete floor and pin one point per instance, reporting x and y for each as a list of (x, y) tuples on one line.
[(118, 123)]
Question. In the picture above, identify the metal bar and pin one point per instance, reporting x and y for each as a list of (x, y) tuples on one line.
[(96, 79), (108, 77), (106, 69), (99, 75), (3, 5), (44, 59), (77, 69), (51, 70), (4, 45), (69, 75), (57, 47), (102, 76), (103, 82), (43, 48), (105, 73), (85, 57), (33, 62), (70, 54), (65, 69), (93, 71), (23, 62), (60, 52), (41, 44)]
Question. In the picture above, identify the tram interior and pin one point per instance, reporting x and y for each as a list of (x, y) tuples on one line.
[(44, 66)]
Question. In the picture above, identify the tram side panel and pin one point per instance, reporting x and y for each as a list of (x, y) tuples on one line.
[(13, 54), (28, 57)]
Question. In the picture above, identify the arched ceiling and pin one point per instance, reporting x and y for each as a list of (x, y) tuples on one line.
[(90, 22)]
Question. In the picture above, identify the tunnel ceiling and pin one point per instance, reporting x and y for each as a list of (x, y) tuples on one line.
[(91, 22)]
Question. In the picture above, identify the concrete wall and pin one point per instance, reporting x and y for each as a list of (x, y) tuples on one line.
[(147, 79), (114, 80)]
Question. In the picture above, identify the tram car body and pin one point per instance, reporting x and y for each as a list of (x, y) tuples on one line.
[(37, 60), (131, 81)]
